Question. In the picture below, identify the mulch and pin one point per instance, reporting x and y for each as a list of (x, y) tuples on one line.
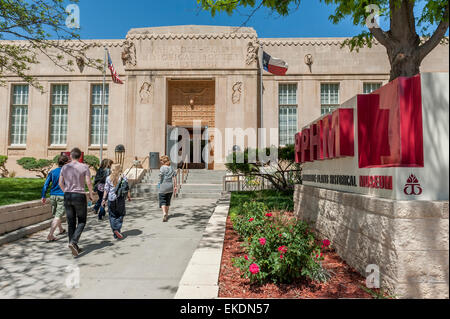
[(345, 282)]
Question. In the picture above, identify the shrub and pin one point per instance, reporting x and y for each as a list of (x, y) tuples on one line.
[(282, 174), (92, 161), (42, 166), (278, 249), (3, 171)]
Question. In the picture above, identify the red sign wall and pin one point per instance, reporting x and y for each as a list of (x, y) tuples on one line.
[(389, 128)]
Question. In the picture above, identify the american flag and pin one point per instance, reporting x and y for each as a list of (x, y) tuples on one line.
[(115, 76)]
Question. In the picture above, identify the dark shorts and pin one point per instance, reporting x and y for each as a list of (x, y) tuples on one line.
[(164, 199)]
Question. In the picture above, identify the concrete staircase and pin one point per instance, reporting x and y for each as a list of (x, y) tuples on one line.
[(199, 184), (148, 188), (203, 184)]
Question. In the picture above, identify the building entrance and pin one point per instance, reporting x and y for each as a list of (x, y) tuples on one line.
[(192, 101)]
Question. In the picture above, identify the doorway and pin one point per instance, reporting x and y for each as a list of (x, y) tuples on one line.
[(189, 101)]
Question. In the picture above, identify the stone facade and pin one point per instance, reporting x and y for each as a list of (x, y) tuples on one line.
[(151, 60), (408, 240)]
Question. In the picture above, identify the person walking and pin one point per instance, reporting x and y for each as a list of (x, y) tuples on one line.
[(73, 180), (167, 186), (99, 186), (56, 198), (116, 189)]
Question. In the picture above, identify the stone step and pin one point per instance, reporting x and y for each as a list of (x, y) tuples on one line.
[(200, 195)]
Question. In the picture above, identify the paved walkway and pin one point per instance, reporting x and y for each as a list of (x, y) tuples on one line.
[(148, 263)]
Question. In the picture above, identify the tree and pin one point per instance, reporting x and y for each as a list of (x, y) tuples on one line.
[(283, 174), (407, 42), (42, 166), (38, 21)]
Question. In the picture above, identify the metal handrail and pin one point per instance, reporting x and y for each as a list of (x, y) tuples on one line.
[(136, 167), (239, 181), (182, 174)]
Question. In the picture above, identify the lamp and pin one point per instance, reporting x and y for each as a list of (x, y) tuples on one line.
[(120, 154)]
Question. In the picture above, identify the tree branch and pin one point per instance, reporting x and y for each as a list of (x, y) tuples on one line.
[(436, 38)]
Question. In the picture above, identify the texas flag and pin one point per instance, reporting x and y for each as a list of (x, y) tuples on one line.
[(274, 65)]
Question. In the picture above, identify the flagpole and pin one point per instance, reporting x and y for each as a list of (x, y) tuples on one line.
[(261, 84), (103, 107)]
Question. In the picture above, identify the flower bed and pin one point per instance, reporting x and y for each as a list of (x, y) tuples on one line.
[(274, 255)]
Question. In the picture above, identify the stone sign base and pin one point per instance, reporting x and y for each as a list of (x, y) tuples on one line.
[(407, 240)]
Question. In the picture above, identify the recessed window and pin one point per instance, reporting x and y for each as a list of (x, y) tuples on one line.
[(329, 97), (19, 115), (59, 111), (370, 87), (96, 111), (287, 97)]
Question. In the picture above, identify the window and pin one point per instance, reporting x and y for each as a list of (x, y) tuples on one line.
[(287, 113), (59, 109), (370, 87), (329, 97), (96, 110), (19, 115)]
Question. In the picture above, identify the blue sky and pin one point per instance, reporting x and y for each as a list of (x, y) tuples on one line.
[(111, 19)]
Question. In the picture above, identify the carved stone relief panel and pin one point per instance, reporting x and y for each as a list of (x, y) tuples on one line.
[(145, 92), (237, 92), (129, 54), (252, 53)]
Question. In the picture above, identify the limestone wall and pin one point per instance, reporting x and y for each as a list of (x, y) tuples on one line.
[(13, 217), (409, 241)]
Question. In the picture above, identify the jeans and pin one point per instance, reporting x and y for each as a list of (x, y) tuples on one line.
[(98, 206), (76, 212), (116, 214)]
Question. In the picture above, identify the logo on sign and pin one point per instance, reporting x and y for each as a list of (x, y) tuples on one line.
[(412, 186)]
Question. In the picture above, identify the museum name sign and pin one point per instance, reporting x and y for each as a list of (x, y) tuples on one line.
[(375, 143)]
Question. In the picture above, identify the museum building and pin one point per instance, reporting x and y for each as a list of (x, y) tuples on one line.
[(175, 76)]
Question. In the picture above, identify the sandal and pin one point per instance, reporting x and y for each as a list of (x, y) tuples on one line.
[(62, 233)]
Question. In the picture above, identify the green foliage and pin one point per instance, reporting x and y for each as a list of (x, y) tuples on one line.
[(3, 171), (282, 7), (42, 166), (379, 293), (274, 200), (18, 190), (92, 161), (408, 40), (42, 23), (283, 174), (283, 248)]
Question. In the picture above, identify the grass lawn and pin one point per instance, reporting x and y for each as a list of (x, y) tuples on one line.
[(275, 200), (17, 190)]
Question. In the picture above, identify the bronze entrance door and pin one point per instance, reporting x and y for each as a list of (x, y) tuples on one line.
[(189, 101)]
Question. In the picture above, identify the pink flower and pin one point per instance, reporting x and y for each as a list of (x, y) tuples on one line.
[(326, 243), (246, 257), (280, 235), (254, 269), (262, 241), (251, 219), (283, 249), (281, 256), (269, 215)]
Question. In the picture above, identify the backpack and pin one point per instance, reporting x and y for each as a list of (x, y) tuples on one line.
[(100, 177), (122, 188)]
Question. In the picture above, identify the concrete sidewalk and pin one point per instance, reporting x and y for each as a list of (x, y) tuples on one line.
[(148, 263)]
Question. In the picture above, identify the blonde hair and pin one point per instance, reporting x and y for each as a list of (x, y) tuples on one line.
[(165, 160), (115, 174)]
